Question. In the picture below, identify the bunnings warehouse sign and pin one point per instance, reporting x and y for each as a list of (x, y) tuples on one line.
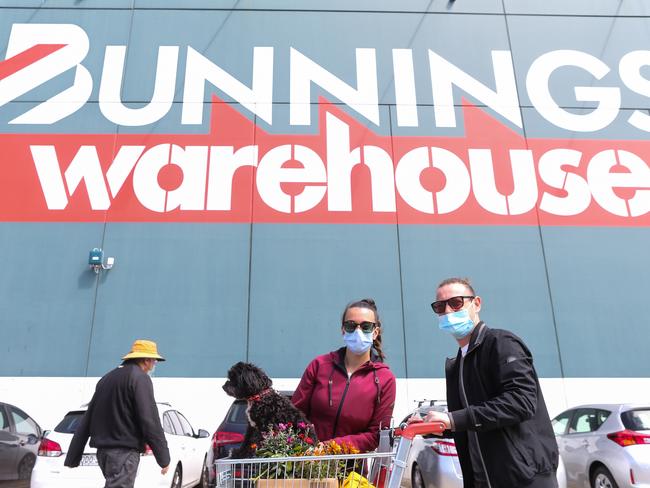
[(345, 169)]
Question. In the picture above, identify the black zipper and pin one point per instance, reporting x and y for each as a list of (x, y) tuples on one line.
[(338, 413), (466, 405)]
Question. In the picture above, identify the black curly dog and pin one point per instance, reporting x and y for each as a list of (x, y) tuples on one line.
[(266, 407)]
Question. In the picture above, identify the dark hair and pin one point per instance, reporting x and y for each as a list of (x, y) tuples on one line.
[(369, 303), (133, 361), (461, 281)]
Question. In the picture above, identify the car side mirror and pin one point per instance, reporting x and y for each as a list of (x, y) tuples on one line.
[(32, 439), (203, 434)]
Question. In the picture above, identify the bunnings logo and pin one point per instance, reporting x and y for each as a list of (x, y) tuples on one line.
[(345, 170)]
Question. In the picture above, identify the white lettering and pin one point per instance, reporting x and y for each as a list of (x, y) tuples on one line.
[(271, 174), (75, 41), (110, 102), (444, 76), (603, 182), (608, 98), (304, 72), (257, 99), (524, 196), (577, 197)]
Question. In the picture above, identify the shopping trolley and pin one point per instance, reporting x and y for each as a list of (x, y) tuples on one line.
[(367, 470)]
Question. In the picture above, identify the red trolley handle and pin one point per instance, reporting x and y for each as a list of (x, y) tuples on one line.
[(419, 428)]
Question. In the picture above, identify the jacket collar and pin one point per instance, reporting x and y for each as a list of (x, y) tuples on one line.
[(477, 336), (475, 340), (338, 358)]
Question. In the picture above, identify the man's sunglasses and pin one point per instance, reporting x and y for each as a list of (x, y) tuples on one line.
[(351, 326), (455, 303)]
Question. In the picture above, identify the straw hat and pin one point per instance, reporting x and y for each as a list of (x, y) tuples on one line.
[(144, 349)]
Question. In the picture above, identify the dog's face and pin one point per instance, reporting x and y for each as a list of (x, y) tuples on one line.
[(246, 380)]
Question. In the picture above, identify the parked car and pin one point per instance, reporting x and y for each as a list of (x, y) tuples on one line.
[(228, 436), (186, 448), (605, 446), (433, 460), (19, 438)]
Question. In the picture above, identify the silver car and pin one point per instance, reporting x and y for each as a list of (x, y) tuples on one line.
[(433, 461), (605, 446)]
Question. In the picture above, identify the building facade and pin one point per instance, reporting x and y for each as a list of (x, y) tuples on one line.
[(252, 167)]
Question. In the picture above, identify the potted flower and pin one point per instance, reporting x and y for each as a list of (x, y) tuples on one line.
[(284, 441)]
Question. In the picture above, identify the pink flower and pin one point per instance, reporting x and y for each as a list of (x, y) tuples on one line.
[(289, 440), (282, 426), (302, 425), (309, 440)]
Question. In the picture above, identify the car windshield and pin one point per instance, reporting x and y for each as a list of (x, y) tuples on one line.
[(70, 422), (637, 419)]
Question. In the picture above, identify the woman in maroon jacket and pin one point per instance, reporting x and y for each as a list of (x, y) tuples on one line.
[(349, 394)]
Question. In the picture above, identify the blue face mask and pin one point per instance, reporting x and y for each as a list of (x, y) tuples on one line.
[(457, 324), (358, 342)]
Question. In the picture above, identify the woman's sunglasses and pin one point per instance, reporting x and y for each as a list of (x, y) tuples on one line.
[(455, 303), (351, 326)]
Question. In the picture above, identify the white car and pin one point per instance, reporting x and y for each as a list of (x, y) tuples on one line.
[(605, 445), (186, 448)]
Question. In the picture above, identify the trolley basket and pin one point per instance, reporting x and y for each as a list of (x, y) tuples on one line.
[(368, 470)]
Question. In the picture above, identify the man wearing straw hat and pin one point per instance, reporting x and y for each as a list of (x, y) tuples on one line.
[(121, 418)]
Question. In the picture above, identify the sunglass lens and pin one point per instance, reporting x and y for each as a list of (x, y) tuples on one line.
[(367, 326), (438, 307), (456, 303), (349, 326)]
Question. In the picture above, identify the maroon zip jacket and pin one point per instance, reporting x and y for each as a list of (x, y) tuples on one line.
[(346, 409)]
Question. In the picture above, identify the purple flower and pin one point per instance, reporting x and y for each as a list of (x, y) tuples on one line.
[(289, 440)]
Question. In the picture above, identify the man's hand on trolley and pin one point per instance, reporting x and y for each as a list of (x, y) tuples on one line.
[(435, 416), (164, 470)]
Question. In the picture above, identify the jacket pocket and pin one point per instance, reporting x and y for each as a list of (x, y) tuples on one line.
[(523, 466)]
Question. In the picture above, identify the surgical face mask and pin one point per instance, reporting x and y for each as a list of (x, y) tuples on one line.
[(358, 342), (458, 324)]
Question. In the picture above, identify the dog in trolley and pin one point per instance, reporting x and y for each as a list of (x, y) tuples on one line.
[(266, 407)]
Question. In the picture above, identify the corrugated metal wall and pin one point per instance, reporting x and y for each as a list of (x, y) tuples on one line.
[(212, 294)]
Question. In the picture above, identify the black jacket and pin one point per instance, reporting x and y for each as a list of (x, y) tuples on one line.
[(122, 413), (505, 406)]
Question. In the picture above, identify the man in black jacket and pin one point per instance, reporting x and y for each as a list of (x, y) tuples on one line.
[(497, 412), (121, 418)]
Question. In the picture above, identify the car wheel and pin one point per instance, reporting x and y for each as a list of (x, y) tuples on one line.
[(417, 481), (602, 478), (25, 467), (205, 476), (177, 480)]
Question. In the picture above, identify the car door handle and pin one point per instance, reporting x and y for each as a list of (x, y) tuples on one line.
[(585, 443)]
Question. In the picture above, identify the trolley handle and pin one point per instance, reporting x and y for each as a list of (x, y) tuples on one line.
[(420, 428)]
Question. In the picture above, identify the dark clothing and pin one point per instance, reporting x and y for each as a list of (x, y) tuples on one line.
[(119, 466), (499, 398), (121, 414), (348, 409), (548, 480)]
